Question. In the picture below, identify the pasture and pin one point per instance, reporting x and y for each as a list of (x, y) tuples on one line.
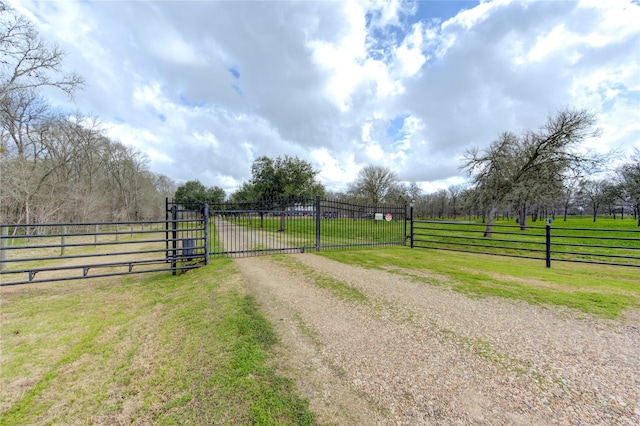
[(195, 348), (141, 350)]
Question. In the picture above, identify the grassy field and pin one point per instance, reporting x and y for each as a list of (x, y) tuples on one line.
[(336, 231), (191, 349), (194, 348), (607, 240), (604, 291)]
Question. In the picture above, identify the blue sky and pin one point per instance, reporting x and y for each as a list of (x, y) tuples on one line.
[(202, 87)]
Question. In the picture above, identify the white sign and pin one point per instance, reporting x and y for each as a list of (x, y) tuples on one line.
[(378, 216)]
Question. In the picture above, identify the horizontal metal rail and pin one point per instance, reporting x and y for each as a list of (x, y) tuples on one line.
[(29, 254), (463, 237), (485, 253), (590, 245), (481, 245), (302, 224), (112, 274)]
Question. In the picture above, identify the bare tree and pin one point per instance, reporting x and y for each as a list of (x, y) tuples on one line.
[(414, 191), (630, 183), (375, 184), (27, 61), (454, 197), (519, 168), (593, 192)]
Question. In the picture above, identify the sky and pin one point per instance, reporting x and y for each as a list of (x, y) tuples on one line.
[(203, 88)]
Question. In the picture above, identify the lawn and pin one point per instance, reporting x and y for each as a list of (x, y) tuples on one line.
[(600, 290), (191, 349), (195, 349), (577, 239)]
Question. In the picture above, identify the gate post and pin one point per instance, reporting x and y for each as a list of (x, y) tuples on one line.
[(317, 223), (206, 234)]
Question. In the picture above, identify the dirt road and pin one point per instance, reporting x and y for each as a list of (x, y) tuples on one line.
[(406, 352)]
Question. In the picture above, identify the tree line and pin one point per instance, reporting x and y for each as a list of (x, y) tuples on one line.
[(61, 167), (543, 172), (56, 166), (536, 174)]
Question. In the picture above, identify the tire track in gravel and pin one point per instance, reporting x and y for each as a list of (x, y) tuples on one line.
[(420, 354)]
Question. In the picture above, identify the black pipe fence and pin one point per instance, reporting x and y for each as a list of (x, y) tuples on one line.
[(32, 253), (36, 253), (546, 243), (298, 224)]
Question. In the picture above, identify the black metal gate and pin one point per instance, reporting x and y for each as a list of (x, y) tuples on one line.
[(296, 224), (187, 235)]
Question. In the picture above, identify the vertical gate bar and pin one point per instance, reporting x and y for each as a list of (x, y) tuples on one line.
[(318, 223), (206, 234), (166, 227), (411, 223), (95, 237), (174, 236)]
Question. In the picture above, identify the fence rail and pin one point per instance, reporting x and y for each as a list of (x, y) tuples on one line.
[(546, 243), (33, 253), (36, 253), (302, 224)]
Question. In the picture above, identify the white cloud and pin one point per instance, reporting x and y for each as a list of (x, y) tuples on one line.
[(205, 87)]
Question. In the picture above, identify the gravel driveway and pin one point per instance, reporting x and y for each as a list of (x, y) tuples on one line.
[(412, 353)]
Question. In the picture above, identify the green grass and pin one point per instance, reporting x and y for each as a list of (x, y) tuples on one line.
[(191, 349), (332, 231), (604, 291), (337, 287), (608, 240)]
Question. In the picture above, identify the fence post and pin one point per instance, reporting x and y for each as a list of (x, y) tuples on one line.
[(317, 223), (3, 244), (63, 240), (548, 243), (206, 234), (95, 237)]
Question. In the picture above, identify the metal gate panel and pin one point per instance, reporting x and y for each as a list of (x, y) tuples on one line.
[(187, 235), (295, 225)]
